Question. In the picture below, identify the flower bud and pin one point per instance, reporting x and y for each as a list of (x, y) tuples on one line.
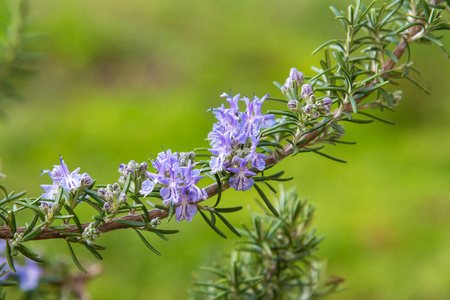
[(297, 76), (109, 196), (143, 168), (101, 192), (107, 206), (86, 180), (122, 168), (131, 165), (183, 162), (308, 109), (284, 89), (116, 187), (235, 144), (192, 155), (327, 102), (123, 198), (293, 105), (306, 91)]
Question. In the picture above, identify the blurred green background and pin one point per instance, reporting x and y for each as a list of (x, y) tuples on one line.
[(120, 79)]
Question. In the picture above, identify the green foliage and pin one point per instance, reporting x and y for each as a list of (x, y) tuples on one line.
[(17, 61), (274, 260)]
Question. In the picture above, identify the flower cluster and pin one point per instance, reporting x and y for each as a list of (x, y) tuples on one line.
[(138, 174), (71, 182), (178, 179), (234, 139), (90, 234), (312, 107), (113, 197)]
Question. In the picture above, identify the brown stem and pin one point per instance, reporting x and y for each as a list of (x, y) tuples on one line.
[(5, 232)]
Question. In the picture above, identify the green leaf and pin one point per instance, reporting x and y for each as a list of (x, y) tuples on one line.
[(277, 99), (12, 224), (28, 253), (227, 209), (391, 55), (146, 214), (94, 196), (64, 217), (388, 97), (330, 157), (75, 218), (283, 113), (357, 121), (32, 235), (155, 231), (35, 208), (74, 258), (171, 212), (31, 225), (228, 224), (338, 128), (310, 149), (219, 189), (127, 184), (93, 251), (9, 257), (266, 200), (8, 283), (62, 227), (377, 118), (354, 105), (146, 243), (212, 225), (166, 231), (131, 223)]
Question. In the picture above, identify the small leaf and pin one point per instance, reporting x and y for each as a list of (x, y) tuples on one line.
[(171, 212), (391, 55), (227, 209), (330, 157), (32, 235), (28, 253), (131, 223), (127, 184), (155, 231), (31, 225), (219, 189), (147, 243), (74, 258), (93, 251), (354, 105), (266, 200), (75, 218), (212, 225), (62, 227), (388, 97), (146, 214), (228, 224), (9, 257)]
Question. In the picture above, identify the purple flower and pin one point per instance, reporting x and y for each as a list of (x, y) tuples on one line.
[(178, 178), (241, 182), (62, 177), (28, 275), (257, 159), (236, 134), (185, 211)]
